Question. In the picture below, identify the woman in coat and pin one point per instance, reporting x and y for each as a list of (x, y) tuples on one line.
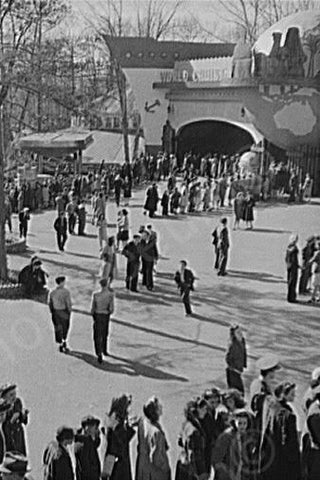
[(117, 457), (233, 456), (16, 419), (236, 359), (152, 459), (123, 228), (288, 452), (108, 267), (238, 208), (248, 217), (184, 198), (127, 185), (152, 198), (191, 464)]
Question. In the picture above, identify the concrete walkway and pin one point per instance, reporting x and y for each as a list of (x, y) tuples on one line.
[(156, 349)]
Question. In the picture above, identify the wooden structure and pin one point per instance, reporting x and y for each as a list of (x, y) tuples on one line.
[(58, 144)]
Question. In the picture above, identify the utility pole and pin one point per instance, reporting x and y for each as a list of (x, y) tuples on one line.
[(39, 102), (3, 252)]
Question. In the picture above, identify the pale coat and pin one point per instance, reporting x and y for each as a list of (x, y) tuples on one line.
[(184, 197), (152, 459)]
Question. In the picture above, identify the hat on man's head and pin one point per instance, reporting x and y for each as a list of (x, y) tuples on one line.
[(26, 209), (4, 406), (8, 387), (284, 388), (14, 462), (270, 361), (89, 421), (103, 282), (64, 433), (60, 279)]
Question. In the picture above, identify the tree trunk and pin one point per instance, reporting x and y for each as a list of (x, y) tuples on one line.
[(3, 252), (122, 91)]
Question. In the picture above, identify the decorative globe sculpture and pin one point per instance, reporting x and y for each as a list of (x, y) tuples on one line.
[(286, 109)]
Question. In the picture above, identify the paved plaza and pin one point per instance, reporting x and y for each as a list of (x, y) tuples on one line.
[(155, 348)]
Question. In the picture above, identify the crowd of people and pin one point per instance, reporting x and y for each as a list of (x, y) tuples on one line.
[(225, 435)]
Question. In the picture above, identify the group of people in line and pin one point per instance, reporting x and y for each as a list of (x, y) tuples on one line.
[(225, 435), (309, 266)]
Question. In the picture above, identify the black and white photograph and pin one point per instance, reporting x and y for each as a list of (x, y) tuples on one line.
[(159, 239)]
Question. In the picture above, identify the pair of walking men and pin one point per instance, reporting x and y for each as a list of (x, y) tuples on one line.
[(102, 306)]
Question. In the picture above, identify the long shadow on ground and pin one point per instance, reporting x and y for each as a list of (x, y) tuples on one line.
[(127, 367)]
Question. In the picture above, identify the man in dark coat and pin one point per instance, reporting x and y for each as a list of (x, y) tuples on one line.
[(223, 247), (33, 278), (149, 255), (311, 444), (292, 268), (117, 189), (306, 270), (184, 279), (132, 252), (56, 458), (24, 217), (152, 199), (87, 442), (61, 227), (4, 407)]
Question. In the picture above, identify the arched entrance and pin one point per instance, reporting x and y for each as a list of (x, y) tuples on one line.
[(212, 136)]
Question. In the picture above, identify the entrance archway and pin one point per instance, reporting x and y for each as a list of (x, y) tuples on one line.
[(212, 136)]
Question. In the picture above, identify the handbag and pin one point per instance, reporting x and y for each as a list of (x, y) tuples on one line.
[(108, 465)]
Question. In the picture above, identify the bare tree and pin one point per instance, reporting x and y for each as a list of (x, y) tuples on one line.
[(252, 17), (154, 19), (19, 21)]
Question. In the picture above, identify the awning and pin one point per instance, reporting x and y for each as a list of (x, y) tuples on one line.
[(56, 144)]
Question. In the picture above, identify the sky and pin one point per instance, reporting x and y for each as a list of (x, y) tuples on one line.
[(209, 13), (203, 10)]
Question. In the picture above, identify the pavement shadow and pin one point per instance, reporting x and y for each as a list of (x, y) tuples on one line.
[(126, 367), (143, 296), (257, 276), (267, 230), (87, 235), (82, 255), (167, 275)]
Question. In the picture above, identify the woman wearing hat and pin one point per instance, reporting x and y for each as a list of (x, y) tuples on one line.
[(311, 441), (152, 459), (280, 452), (116, 462), (108, 267), (236, 359), (264, 406), (16, 418), (191, 464), (233, 457), (123, 228)]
